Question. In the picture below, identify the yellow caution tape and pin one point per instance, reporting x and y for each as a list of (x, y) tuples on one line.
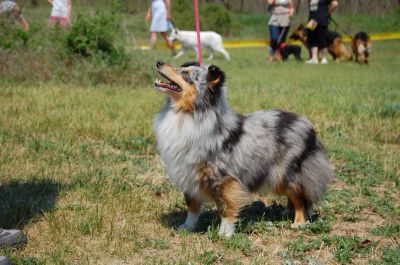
[(265, 42)]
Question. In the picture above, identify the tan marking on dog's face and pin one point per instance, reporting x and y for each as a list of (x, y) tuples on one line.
[(185, 99), (234, 198)]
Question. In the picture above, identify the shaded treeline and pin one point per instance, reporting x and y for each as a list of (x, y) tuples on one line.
[(372, 7)]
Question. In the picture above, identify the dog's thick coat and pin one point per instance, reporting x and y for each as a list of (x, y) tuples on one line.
[(210, 40), (361, 44), (214, 154)]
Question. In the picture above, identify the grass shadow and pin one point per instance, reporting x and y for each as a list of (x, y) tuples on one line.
[(254, 212), (22, 201)]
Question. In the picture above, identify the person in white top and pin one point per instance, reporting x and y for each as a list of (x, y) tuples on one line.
[(12, 10), (61, 12)]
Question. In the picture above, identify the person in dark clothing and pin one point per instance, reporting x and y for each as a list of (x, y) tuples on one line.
[(319, 13)]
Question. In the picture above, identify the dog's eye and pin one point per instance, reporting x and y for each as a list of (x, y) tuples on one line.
[(185, 73)]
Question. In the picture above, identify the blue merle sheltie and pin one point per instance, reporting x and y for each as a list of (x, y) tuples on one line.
[(213, 153)]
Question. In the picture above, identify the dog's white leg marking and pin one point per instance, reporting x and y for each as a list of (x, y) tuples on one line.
[(191, 221), (180, 53), (226, 229), (211, 52), (224, 52)]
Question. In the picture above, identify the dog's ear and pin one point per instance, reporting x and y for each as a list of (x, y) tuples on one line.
[(215, 76)]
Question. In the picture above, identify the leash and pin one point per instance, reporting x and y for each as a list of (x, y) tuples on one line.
[(196, 15), (340, 28)]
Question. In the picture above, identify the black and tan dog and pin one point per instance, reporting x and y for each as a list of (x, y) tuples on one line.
[(335, 42), (361, 44)]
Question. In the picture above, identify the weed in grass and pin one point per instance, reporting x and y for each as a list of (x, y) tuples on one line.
[(239, 242), (391, 255), (387, 230), (300, 246), (319, 226), (209, 257), (346, 247)]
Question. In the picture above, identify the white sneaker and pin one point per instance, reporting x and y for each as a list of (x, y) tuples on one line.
[(324, 61), (312, 61)]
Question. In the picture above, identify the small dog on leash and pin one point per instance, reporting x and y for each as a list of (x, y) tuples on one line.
[(210, 40), (361, 44), (287, 50), (213, 153)]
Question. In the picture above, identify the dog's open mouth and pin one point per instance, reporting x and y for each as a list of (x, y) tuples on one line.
[(171, 85)]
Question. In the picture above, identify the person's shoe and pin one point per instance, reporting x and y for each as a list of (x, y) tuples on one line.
[(5, 260), (312, 61), (324, 61), (12, 238)]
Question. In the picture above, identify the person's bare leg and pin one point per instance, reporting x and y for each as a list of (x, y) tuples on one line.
[(153, 40), (169, 43), (324, 55), (314, 56)]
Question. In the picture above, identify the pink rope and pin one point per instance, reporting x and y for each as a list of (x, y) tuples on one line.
[(196, 14)]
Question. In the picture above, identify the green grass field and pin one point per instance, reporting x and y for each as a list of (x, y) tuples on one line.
[(79, 172)]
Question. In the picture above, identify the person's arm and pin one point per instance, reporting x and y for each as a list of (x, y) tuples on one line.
[(23, 22), (291, 8), (333, 6), (270, 2), (148, 15), (168, 3), (69, 9), (50, 2)]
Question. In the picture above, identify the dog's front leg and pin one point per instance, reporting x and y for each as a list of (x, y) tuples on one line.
[(194, 211), (180, 53), (233, 197)]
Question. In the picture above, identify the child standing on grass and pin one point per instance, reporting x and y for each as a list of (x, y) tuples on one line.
[(12, 10), (160, 15), (61, 12)]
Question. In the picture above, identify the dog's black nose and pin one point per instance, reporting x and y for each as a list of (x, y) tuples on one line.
[(159, 63)]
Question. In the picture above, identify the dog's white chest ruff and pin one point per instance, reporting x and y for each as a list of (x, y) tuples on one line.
[(179, 148)]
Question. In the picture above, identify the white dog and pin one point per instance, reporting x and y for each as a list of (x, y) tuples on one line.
[(210, 40)]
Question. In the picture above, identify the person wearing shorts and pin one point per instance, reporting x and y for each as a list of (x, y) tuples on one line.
[(61, 12), (160, 15), (279, 24), (319, 13), (12, 10)]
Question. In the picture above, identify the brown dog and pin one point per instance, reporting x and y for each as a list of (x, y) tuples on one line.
[(335, 42), (361, 44)]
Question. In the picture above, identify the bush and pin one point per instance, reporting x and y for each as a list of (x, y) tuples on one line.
[(11, 34), (94, 36), (217, 18), (213, 17)]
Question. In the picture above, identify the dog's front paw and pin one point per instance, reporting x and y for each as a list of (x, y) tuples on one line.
[(191, 222), (226, 229), (187, 227), (300, 225)]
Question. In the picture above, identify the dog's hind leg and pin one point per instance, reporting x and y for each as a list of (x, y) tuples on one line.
[(224, 52), (233, 197), (194, 211), (300, 209)]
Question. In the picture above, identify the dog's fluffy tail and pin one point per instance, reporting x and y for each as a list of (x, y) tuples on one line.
[(316, 174)]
